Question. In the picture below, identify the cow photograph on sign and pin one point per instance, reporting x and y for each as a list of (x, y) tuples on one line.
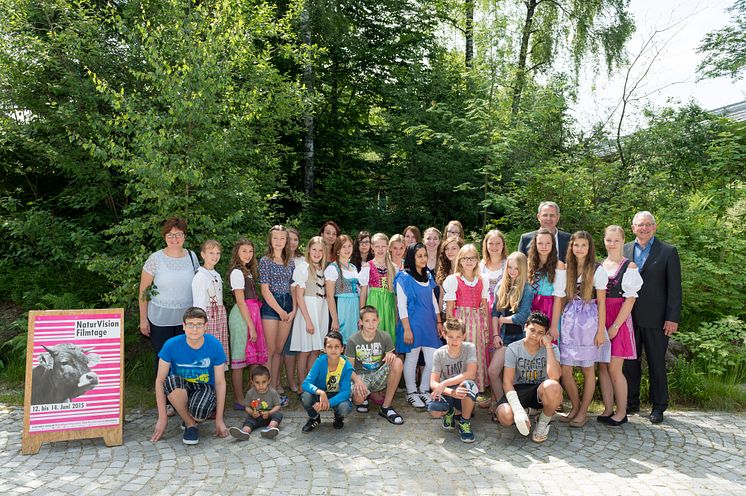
[(74, 386), (63, 373)]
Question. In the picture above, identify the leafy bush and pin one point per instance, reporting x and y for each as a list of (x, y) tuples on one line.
[(719, 346)]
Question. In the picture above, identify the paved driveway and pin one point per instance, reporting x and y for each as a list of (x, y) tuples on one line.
[(691, 453)]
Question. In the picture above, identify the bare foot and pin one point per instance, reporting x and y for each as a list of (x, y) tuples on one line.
[(570, 416)]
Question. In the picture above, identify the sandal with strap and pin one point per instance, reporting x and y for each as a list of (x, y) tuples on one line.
[(363, 407), (391, 415)]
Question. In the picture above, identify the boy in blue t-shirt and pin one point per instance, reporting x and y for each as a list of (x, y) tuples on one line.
[(190, 375)]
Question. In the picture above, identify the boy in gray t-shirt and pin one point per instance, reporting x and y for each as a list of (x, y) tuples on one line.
[(454, 364), (371, 353), (530, 379), (262, 407)]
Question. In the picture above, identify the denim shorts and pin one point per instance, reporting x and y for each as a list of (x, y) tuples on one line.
[(284, 300)]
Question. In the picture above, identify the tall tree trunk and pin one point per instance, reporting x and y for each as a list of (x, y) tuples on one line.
[(520, 75), (469, 32), (308, 121)]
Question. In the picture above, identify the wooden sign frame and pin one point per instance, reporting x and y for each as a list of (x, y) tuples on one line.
[(74, 418)]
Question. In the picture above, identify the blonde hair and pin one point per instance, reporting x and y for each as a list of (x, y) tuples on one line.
[(615, 228), (486, 253), (390, 269), (511, 290), (459, 270), (210, 243), (586, 271), (397, 238), (433, 229), (313, 241), (457, 224)]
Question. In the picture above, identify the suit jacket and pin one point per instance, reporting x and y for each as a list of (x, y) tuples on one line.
[(660, 297), (564, 241)]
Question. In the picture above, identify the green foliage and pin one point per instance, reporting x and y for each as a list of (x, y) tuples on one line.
[(720, 346), (117, 116), (13, 355), (725, 49), (688, 382)]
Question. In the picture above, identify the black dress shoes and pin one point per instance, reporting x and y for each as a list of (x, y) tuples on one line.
[(656, 417), (616, 423), (603, 419)]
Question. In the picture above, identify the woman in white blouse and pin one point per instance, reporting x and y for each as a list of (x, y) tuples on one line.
[(621, 292)]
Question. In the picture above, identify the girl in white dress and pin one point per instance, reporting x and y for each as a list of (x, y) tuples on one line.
[(312, 321)]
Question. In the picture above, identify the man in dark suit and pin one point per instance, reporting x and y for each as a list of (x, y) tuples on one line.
[(655, 314), (548, 215)]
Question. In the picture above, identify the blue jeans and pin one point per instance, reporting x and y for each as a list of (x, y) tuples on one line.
[(445, 403), (342, 409)]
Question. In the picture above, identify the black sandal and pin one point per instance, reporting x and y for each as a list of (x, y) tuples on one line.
[(363, 407), (391, 415)]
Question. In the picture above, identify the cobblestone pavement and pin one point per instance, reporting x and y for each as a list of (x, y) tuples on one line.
[(691, 453)]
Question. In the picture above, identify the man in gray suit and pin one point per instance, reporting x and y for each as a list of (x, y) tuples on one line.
[(655, 314), (548, 216)]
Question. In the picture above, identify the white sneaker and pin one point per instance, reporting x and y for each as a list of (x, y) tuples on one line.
[(425, 397), (270, 432), (415, 400)]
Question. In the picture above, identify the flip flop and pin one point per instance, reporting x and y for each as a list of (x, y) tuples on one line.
[(391, 415), (363, 407), (566, 418), (238, 407), (578, 423)]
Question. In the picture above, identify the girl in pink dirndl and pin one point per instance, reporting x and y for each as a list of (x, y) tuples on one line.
[(245, 323), (621, 292), (466, 294)]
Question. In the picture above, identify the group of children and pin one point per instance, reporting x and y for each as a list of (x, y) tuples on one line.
[(350, 318)]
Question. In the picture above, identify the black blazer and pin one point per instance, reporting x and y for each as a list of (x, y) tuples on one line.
[(660, 297), (564, 241)]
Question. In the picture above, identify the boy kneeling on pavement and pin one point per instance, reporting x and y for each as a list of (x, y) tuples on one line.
[(530, 379), (191, 376)]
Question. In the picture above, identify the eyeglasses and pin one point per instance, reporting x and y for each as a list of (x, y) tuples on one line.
[(189, 325), (645, 224), (455, 233), (178, 235), (469, 259)]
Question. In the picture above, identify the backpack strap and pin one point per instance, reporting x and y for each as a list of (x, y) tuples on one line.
[(193, 258)]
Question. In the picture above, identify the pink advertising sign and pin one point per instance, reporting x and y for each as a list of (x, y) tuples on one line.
[(76, 370)]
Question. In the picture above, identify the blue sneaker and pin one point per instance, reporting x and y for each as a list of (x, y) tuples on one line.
[(191, 435), (448, 421), (464, 428)]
